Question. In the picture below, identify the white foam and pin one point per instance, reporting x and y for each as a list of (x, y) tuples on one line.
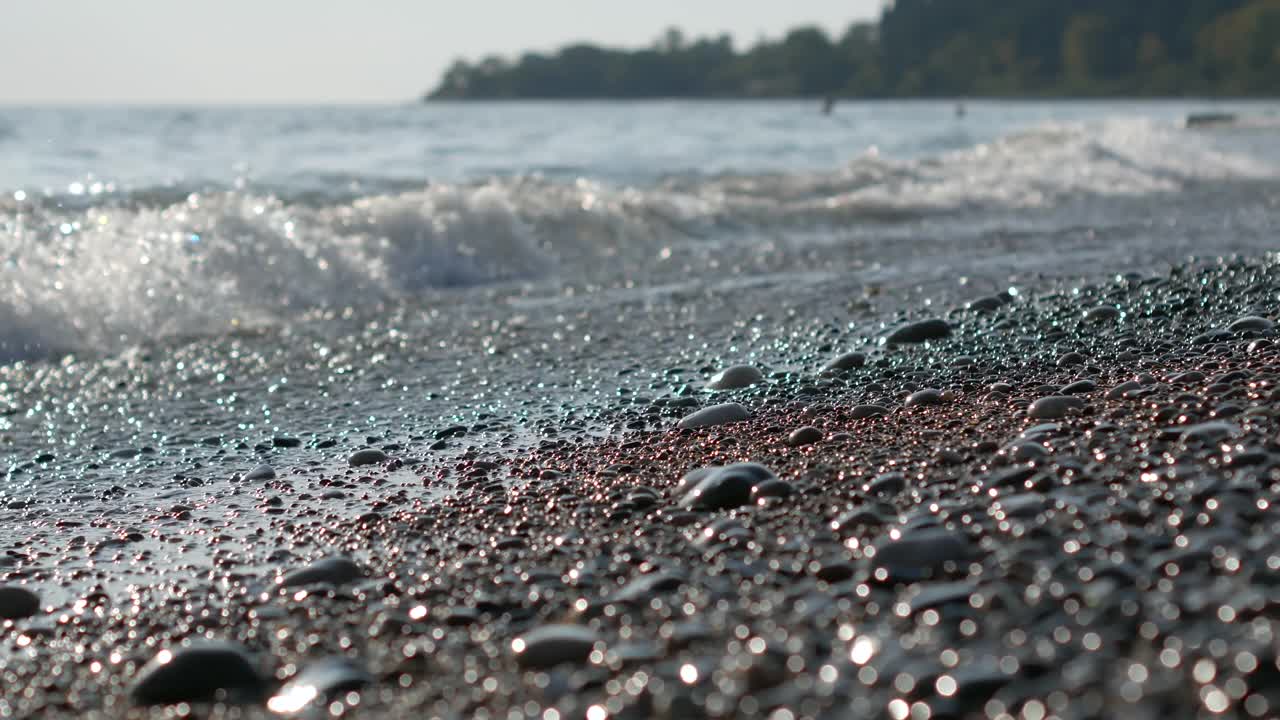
[(107, 275)]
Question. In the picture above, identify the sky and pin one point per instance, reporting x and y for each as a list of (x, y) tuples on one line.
[(337, 51)]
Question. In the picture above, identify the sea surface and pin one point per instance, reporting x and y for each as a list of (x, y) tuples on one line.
[(126, 225)]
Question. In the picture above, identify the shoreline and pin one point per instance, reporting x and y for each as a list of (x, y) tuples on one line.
[(1024, 569)]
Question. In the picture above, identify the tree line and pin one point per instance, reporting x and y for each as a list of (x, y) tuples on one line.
[(925, 48)]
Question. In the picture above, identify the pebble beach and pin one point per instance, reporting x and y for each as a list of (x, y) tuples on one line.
[(1006, 464)]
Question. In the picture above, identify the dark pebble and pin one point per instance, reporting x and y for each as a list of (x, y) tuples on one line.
[(922, 331), (715, 415), (847, 361), (18, 602), (198, 672), (804, 436), (1054, 407), (552, 645), (368, 456), (316, 683), (330, 570), (733, 378)]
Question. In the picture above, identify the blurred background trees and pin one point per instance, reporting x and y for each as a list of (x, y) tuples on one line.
[(928, 48)]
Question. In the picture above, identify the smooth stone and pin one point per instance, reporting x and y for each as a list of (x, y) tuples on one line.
[(861, 412), (1054, 407), (1025, 451), (726, 488), (1102, 313), (775, 488), (804, 436), (920, 553), (317, 682), (331, 570), (198, 672), (847, 361), (928, 396), (552, 645), (1251, 323), (1070, 359), (262, 472), (922, 331), (693, 477), (890, 483), (989, 303), (1123, 389), (1210, 431), (1078, 387), (935, 595), (368, 456), (17, 602), (738, 376), (645, 587), (715, 415)]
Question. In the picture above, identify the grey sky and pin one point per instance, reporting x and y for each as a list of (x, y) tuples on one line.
[(169, 51)]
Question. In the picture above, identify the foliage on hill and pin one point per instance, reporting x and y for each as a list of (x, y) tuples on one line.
[(928, 48)]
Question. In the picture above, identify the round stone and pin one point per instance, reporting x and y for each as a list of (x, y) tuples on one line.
[(17, 602), (922, 331), (261, 472), (1054, 407), (198, 672), (804, 436), (368, 456), (552, 645), (316, 683), (921, 553), (726, 488), (738, 376), (928, 396), (715, 415), (330, 571), (1102, 313), (1251, 323), (847, 361), (861, 412)]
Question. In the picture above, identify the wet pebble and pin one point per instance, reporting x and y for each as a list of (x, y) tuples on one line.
[(17, 602), (723, 488), (847, 361), (921, 553), (330, 570), (928, 396), (1102, 313), (1251, 323), (861, 412), (733, 378), (368, 456), (198, 672), (922, 331), (1123, 389), (1054, 407), (317, 682), (715, 415), (804, 436), (261, 472), (551, 645)]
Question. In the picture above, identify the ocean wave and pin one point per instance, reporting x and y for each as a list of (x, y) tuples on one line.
[(104, 271)]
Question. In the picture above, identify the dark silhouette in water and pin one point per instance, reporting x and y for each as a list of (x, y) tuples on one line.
[(828, 105), (960, 110)]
